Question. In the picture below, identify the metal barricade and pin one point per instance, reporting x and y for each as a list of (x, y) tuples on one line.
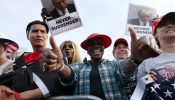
[(88, 97)]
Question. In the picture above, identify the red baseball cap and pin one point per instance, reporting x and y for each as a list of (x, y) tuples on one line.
[(170, 15), (107, 40), (120, 40)]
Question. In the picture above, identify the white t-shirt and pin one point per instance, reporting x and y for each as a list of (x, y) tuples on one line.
[(164, 64)]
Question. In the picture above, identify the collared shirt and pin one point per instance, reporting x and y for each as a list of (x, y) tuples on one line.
[(112, 75), (142, 24), (61, 13)]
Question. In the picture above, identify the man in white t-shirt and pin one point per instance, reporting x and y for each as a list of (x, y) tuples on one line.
[(164, 32)]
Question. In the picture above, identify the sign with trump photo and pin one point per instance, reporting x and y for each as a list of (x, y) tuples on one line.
[(60, 15), (140, 19)]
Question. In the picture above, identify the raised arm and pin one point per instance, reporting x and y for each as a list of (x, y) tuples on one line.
[(141, 49), (44, 14), (52, 59)]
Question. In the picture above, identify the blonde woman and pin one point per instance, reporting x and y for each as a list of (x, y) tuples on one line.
[(71, 51)]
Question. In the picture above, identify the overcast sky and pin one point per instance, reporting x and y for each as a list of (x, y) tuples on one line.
[(100, 16)]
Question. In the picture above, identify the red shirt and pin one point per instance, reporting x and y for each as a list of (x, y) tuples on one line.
[(31, 57)]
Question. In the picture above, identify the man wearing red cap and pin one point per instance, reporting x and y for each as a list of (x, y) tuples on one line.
[(120, 49), (100, 77), (164, 32)]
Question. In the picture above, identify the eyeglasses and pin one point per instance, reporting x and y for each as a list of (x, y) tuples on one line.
[(95, 42)]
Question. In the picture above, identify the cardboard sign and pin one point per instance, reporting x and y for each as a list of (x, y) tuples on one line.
[(140, 19), (63, 15)]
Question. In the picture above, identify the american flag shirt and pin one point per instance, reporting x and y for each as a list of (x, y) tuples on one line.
[(112, 75)]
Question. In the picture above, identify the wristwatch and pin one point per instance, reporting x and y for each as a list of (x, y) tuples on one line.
[(136, 63)]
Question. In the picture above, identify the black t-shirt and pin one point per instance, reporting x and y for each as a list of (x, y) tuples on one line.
[(50, 79), (95, 81), (129, 88)]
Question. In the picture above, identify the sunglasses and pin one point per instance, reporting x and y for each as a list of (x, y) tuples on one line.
[(96, 42)]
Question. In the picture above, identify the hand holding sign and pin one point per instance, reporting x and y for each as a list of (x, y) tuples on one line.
[(45, 14), (61, 16)]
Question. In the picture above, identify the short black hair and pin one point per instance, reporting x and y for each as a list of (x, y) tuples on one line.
[(37, 22)]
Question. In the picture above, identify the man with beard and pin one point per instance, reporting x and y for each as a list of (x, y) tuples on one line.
[(101, 77)]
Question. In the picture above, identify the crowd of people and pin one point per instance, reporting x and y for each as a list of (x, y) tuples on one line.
[(60, 71)]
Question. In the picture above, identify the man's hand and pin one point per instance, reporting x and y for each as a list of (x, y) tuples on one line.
[(52, 59), (5, 90), (143, 48), (6, 96), (45, 13)]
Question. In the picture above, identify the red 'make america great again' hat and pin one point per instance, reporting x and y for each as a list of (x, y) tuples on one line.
[(120, 40)]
